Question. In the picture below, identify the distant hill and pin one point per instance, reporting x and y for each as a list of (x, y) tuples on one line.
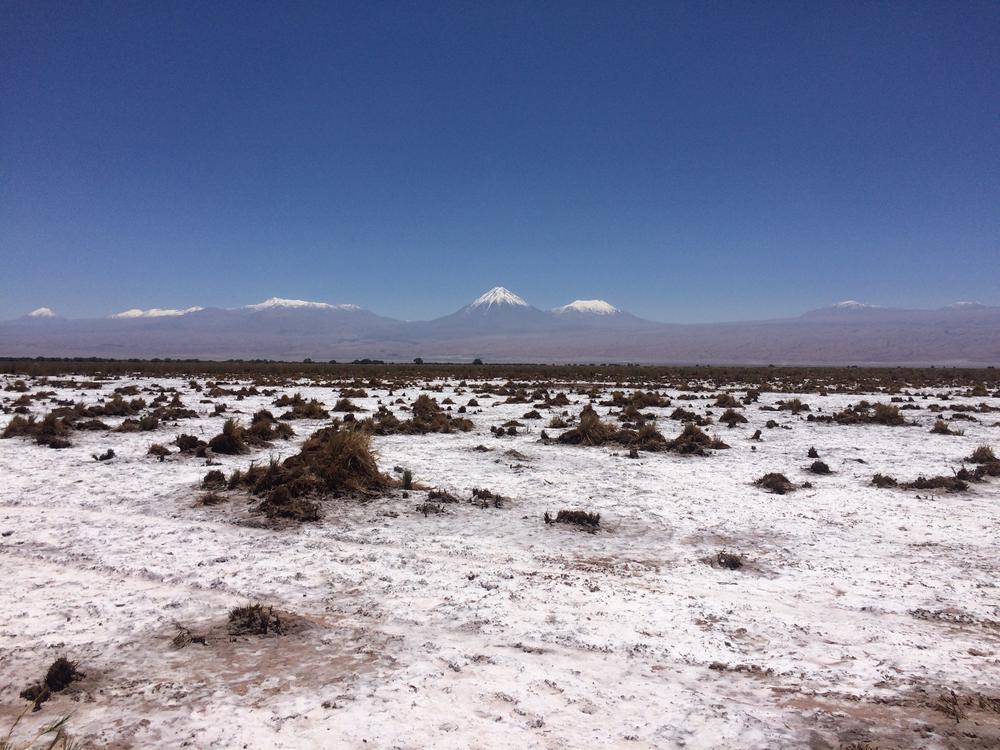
[(501, 326)]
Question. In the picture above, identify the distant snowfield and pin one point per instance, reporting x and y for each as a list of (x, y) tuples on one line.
[(857, 610)]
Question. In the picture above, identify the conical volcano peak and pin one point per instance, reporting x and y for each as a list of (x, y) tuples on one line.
[(498, 296)]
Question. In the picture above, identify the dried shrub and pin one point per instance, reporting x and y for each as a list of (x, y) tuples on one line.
[(729, 560), (264, 429), (586, 519), (775, 483), (692, 441), (949, 484), (214, 480), (590, 430), (867, 413), (255, 619), (60, 674), (332, 463), (211, 498), (731, 418), (189, 443), (942, 428), (982, 455), (106, 456), (231, 441), (486, 499), (884, 481), (819, 467), (794, 405), (346, 405), (160, 451), (812, 453)]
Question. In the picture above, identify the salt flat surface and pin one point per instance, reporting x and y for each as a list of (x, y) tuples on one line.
[(486, 628)]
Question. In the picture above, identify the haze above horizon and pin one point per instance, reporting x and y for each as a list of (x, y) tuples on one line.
[(686, 162)]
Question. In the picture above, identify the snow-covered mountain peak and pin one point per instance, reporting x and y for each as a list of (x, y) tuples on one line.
[(965, 305), (498, 296), (42, 312), (851, 304), (279, 302), (155, 312), (591, 306)]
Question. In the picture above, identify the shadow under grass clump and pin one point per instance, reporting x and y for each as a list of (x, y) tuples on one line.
[(58, 677), (255, 619), (583, 518), (775, 483), (332, 463)]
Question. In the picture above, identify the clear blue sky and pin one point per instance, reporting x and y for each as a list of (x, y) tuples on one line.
[(686, 161)]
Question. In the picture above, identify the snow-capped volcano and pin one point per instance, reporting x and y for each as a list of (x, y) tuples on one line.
[(589, 306), (156, 312), (851, 304), (278, 302), (42, 312), (498, 296)]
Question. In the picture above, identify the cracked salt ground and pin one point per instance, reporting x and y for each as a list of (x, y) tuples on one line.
[(857, 609)]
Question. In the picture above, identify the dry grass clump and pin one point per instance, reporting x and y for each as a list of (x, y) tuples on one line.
[(214, 480), (884, 481), (731, 418), (692, 441), (158, 450), (775, 483), (683, 415), (819, 467), (942, 428), (867, 413), (729, 560), (255, 619), (427, 417), (106, 456), (982, 455), (794, 405), (58, 677), (948, 484), (332, 463), (189, 443), (590, 430), (346, 405), (52, 430), (231, 441), (583, 518), (211, 498), (558, 423), (264, 428), (302, 409), (486, 498)]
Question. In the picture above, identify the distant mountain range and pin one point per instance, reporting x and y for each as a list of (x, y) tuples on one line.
[(501, 326)]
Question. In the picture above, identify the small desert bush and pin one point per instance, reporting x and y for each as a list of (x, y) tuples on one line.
[(982, 455), (731, 418), (58, 677), (584, 518), (231, 441), (255, 619), (819, 467), (729, 560), (775, 483), (942, 428)]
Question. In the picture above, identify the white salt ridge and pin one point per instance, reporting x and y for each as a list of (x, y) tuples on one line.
[(156, 312), (592, 306), (274, 302), (486, 627), (498, 296)]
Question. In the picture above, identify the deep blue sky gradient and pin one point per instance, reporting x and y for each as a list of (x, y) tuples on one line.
[(686, 161)]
